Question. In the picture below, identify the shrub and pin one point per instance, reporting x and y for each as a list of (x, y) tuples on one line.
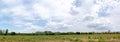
[(13, 33), (91, 41), (1, 32)]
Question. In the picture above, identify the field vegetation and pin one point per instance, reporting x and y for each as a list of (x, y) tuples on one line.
[(48, 36)]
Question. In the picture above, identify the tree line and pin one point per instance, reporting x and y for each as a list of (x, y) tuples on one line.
[(6, 32)]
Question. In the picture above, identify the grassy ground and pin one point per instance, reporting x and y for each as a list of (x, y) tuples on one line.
[(63, 38)]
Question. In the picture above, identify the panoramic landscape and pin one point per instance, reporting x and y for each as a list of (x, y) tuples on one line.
[(59, 21), (48, 36)]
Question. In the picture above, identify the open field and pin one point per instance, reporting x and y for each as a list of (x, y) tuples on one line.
[(62, 38)]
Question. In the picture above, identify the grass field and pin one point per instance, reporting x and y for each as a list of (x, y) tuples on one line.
[(62, 38)]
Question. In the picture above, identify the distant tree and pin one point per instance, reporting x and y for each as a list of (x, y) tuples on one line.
[(48, 33), (77, 32), (84, 33), (13, 33), (6, 32), (1, 32), (39, 33), (57, 33), (90, 33), (70, 33)]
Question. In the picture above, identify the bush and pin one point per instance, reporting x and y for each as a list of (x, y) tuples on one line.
[(6, 32), (13, 33), (91, 41), (1, 32), (101, 40), (48, 33), (77, 32)]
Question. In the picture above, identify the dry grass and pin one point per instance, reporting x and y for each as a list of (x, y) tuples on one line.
[(63, 38)]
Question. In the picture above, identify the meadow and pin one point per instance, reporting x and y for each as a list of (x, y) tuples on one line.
[(61, 38)]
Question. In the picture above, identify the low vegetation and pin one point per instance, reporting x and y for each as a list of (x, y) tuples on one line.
[(48, 36)]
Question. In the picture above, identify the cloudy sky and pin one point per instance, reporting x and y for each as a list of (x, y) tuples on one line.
[(60, 15)]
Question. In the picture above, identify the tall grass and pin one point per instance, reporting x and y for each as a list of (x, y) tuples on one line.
[(62, 38)]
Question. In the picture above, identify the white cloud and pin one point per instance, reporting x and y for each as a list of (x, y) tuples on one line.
[(61, 15), (21, 12), (10, 1), (41, 11)]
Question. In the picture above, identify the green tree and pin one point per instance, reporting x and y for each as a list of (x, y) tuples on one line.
[(6, 32), (77, 32), (70, 33), (13, 33), (49, 33), (1, 32), (57, 33), (39, 33)]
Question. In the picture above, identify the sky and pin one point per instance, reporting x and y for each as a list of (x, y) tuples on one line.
[(60, 15)]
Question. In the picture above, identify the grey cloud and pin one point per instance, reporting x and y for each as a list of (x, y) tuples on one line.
[(73, 12), (103, 11), (56, 19), (77, 3), (88, 18), (41, 23), (98, 26)]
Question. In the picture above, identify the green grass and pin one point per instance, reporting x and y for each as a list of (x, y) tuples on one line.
[(62, 38)]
